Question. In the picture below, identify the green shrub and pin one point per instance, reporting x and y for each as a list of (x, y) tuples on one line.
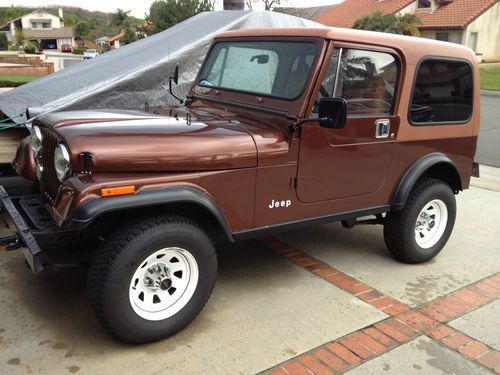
[(79, 50), (4, 43), (30, 48), (15, 80), (10, 83)]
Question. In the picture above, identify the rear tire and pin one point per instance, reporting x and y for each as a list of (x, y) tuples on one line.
[(419, 232), (152, 278)]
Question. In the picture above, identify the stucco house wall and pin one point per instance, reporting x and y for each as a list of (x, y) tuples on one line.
[(454, 36), (26, 20), (487, 27)]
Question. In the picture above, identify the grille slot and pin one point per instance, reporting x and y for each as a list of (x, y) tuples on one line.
[(51, 183)]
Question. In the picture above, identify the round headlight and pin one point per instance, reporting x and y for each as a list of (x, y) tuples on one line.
[(62, 163), (36, 139)]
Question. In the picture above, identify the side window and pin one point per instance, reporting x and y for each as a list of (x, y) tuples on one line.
[(367, 80), (442, 92)]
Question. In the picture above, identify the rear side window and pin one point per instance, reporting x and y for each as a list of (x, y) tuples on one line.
[(442, 93)]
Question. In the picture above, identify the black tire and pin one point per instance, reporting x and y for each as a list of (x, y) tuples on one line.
[(122, 256), (400, 226)]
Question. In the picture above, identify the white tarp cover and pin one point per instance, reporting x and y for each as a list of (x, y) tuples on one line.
[(128, 77)]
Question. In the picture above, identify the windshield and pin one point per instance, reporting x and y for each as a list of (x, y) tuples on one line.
[(279, 69)]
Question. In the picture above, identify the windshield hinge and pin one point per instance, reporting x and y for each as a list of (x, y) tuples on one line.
[(292, 123)]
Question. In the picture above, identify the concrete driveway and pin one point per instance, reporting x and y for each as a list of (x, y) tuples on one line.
[(62, 60), (488, 151), (320, 300)]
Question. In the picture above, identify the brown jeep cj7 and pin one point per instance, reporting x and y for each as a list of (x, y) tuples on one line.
[(281, 128)]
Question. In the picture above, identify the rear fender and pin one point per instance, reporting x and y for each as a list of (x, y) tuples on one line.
[(437, 165)]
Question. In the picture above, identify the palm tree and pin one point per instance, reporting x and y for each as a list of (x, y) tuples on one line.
[(389, 23), (120, 18), (408, 24)]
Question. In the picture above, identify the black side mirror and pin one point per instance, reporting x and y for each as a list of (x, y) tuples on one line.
[(175, 77), (332, 113)]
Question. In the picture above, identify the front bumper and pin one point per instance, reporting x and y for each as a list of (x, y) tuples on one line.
[(23, 237)]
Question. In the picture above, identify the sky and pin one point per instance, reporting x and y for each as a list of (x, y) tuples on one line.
[(139, 8)]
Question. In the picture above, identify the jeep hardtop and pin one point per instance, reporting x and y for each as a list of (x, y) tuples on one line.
[(281, 128)]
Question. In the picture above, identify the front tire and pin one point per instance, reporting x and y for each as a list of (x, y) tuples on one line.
[(419, 232), (152, 278)]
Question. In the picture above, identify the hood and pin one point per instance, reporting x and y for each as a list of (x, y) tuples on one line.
[(133, 141)]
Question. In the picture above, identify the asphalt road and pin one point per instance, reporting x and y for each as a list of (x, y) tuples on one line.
[(488, 146)]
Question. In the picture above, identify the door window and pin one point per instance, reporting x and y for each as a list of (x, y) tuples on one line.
[(367, 80)]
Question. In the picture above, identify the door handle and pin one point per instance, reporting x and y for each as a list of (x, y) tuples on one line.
[(382, 128)]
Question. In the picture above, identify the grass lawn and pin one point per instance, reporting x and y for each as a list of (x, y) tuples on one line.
[(15, 80), (490, 77)]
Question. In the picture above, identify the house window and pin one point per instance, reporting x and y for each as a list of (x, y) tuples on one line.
[(40, 25), (442, 37), (442, 92), (424, 4), (472, 42)]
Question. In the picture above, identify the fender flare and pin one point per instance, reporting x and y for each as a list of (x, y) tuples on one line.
[(91, 210), (415, 172)]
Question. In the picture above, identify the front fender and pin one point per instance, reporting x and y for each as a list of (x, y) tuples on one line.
[(91, 210), (24, 162)]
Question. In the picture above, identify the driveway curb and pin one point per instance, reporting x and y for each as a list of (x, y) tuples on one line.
[(490, 93)]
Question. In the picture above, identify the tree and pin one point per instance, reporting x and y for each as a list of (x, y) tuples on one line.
[(408, 24), (389, 23), (271, 4), (82, 30), (24, 43), (166, 13), (121, 18), (124, 22), (130, 35)]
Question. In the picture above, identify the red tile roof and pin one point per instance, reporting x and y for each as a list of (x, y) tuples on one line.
[(453, 14), (346, 13)]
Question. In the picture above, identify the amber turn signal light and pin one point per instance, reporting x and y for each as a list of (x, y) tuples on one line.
[(120, 190)]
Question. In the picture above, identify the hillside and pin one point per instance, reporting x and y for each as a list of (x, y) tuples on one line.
[(99, 22)]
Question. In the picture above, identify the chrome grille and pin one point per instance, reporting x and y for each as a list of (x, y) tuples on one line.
[(50, 182)]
